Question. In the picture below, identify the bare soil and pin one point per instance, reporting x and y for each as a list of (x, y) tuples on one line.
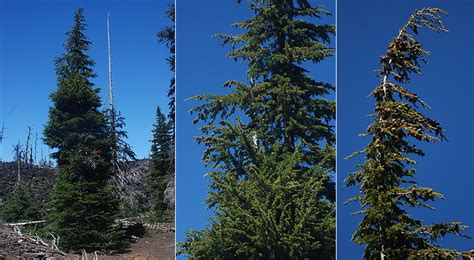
[(158, 245)]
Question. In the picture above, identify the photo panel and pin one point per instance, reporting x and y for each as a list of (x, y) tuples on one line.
[(412, 116), (256, 129), (87, 130)]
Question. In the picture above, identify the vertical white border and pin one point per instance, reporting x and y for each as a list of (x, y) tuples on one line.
[(337, 118), (175, 129)]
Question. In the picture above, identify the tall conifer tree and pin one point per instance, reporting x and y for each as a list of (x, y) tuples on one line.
[(271, 188), (386, 177), (83, 207), (167, 36), (161, 162), (163, 142)]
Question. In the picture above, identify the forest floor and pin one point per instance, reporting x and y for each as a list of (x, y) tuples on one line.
[(154, 244)]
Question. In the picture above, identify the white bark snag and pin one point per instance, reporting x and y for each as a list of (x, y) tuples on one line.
[(27, 145), (111, 100), (36, 148), (2, 132), (18, 173), (2, 135), (111, 96)]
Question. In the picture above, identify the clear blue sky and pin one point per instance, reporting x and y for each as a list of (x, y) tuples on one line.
[(365, 27), (32, 33), (202, 67)]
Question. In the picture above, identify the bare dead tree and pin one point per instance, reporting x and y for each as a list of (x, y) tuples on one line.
[(129, 181), (27, 145), (49, 157), (111, 99), (30, 161), (17, 152), (2, 133), (42, 160), (2, 136), (36, 147)]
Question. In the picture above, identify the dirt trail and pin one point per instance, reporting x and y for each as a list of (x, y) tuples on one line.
[(159, 245)]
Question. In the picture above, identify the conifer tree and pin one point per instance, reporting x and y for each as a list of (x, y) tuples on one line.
[(161, 162), (122, 159), (20, 206), (163, 144), (167, 36), (83, 206), (272, 194), (386, 177), (124, 152)]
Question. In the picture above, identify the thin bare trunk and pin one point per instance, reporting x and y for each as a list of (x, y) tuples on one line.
[(36, 148), (27, 145), (111, 97), (19, 176), (2, 135)]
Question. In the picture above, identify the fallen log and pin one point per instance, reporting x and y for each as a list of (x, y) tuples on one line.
[(25, 223)]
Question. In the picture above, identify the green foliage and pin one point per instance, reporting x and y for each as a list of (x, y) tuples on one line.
[(20, 206), (83, 205), (162, 163), (277, 211), (37, 230), (118, 135), (163, 144), (167, 36), (386, 177), (270, 185)]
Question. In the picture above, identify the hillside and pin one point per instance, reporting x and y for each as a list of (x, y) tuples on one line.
[(41, 180)]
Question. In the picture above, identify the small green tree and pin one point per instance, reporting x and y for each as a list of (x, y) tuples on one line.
[(20, 206), (271, 189), (161, 163), (83, 205), (386, 177)]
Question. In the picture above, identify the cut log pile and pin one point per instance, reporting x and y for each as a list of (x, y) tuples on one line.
[(161, 227), (13, 243)]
